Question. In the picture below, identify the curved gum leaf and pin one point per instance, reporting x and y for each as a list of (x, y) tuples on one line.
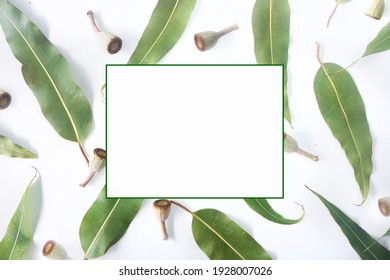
[(164, 29), (8, 148), (47, 74), (262, 207), (105, 222), (363, 243), (343, 110), (271, 31), (380, 43), (18, 236), (222, 239)]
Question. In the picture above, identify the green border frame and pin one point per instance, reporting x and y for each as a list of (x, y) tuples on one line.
[(180, 197)]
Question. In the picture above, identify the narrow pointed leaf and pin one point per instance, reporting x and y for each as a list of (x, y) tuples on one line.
[(380, 43), (47, 74), (164, 29), (105, 222), (363, 243), (271, 31), (222, 239), (18, 236), (262, 207), (8, 148), (343, 110)]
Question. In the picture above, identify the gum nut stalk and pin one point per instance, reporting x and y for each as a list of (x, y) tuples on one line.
[(384, 205), (208, 39), (5, 99), (291, 146), (106, 40), (96, 164), (162, 209), (375, 9), (54, 251)]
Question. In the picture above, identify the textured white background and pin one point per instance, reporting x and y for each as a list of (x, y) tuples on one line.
[(62, 203)]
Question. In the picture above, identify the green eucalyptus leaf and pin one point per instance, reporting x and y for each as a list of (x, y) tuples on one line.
[(343, 110), (105, 222), (8, 148), (164, 29), (380, 43), (271, 31), (387, 233), (222, 239), (47, 74), (18, 236), (262, 207), (363, 243)]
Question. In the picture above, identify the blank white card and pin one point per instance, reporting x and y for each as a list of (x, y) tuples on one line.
[(194, 131)]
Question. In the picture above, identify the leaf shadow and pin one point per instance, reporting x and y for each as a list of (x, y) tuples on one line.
[(32, 14), (79, 75), (34, 208)]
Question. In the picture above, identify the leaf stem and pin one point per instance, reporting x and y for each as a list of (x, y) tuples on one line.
[(83, 152), (344, 69), (182, 207), (354, 62), (318, 54), (318, 47), (331, 15), (307, 187)]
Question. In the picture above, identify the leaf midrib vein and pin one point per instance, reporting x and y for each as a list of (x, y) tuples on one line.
[(162, 32), (218, 235), (101, 228), (349, 127), (47, 73)]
